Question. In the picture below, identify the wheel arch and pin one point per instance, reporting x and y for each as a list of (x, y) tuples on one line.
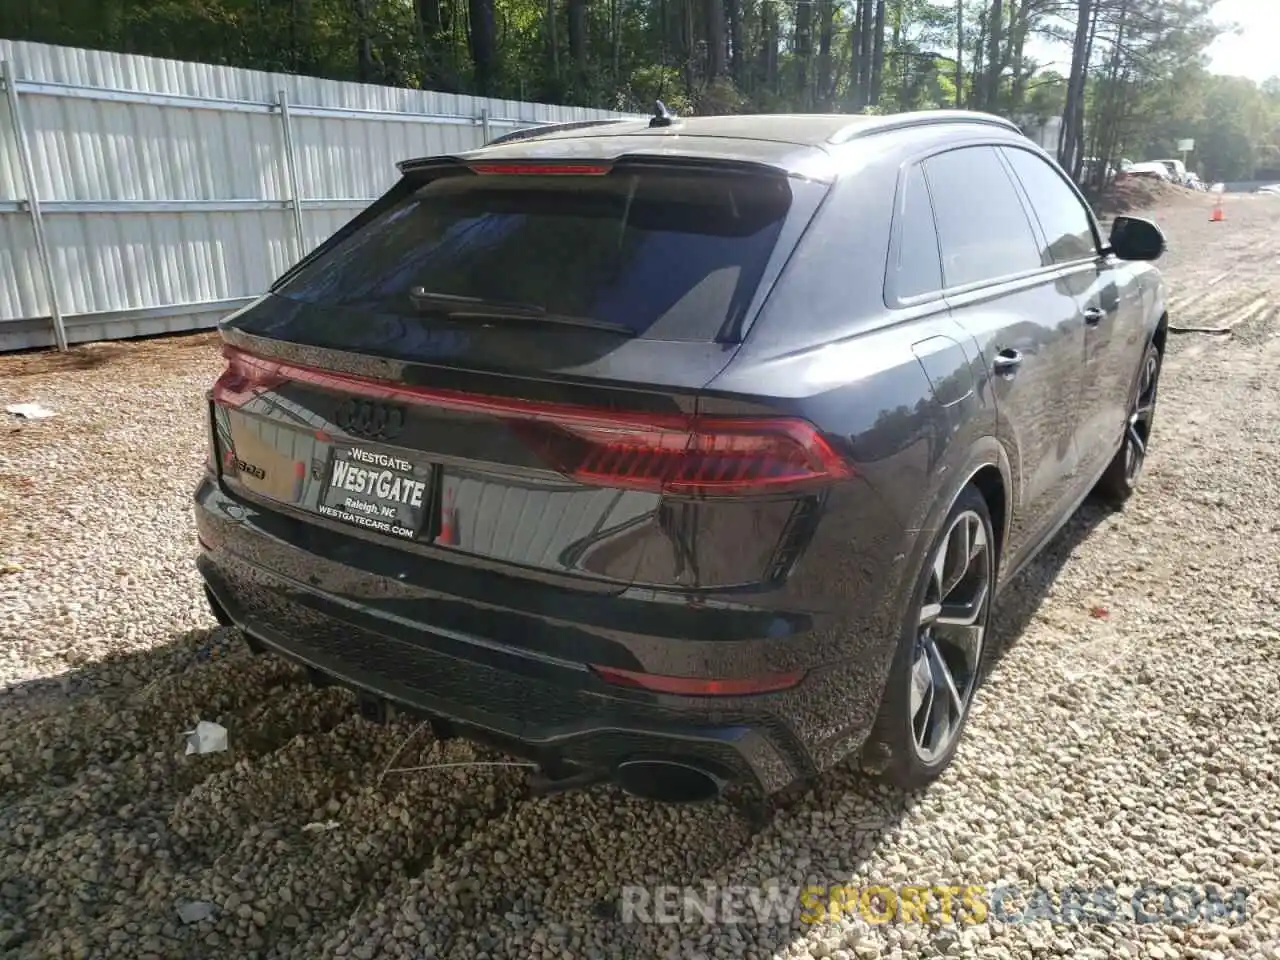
[(1158, 339), (986, 470), (1160, 336), (990, 482), (984, 466)]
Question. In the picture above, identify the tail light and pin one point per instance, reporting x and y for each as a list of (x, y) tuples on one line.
[(688, 455), (211, 440), (244, 378), (693, 456)]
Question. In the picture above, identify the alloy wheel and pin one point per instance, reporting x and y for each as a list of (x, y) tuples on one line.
[(1138, 429), (950, 635)]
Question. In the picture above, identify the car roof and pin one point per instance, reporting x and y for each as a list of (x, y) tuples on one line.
[(794, 143)]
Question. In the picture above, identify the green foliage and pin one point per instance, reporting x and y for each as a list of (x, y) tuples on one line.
[(1144, 83), (1235, 125)]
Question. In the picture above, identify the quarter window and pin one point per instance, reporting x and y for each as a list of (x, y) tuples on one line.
[(917, 270)]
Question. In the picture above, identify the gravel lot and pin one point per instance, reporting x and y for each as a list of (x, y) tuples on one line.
[(1128, 736)]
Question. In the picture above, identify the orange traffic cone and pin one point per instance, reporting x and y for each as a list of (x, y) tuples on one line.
[(448, 535), (1217, 216)]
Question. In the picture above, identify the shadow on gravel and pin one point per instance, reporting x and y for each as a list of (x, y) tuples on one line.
[(95, 765), (807, 822), (139, 703), (94, 776), (1021, 599), (115, 675)]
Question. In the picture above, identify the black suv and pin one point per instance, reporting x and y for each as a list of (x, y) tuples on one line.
[(683, 452)]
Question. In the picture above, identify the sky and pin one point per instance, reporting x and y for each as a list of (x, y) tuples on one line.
[(1253, 51)]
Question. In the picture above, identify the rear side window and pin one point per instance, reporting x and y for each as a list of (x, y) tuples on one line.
[(983, 228), (666, 255), (917, 269), (1063, 218)]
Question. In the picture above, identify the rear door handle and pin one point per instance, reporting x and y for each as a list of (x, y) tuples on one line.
[(1093, 316), (1007, 363)]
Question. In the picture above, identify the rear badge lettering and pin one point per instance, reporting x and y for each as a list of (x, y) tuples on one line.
[(249, 468)]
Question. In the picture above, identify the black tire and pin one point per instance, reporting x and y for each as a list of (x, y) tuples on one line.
[(1120, 479), (893, 752)]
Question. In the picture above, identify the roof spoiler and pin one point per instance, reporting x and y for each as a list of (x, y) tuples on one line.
[(543, 129)]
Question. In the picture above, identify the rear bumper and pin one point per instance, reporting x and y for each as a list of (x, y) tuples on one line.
[(379, 635), (512, 710)]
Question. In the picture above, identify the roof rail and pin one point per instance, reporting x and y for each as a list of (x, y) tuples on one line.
[(918, 118), (541, 129)]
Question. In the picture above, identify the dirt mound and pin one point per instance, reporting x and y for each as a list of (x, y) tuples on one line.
[(1143, 193), (152, 353)]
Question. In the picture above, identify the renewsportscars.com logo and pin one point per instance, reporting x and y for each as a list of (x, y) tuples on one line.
[(934, 903)]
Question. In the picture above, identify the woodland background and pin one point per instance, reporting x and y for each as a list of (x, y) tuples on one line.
[(1132, 81)]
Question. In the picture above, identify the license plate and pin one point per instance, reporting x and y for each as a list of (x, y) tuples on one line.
[(376, 491)]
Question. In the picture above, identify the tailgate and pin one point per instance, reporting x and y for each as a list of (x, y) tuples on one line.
[(505, 366), (459, 473)]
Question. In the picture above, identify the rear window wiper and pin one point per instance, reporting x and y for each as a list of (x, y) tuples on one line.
[(457, 306)]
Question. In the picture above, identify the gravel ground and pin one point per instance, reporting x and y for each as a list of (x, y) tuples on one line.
[(1128, 735)]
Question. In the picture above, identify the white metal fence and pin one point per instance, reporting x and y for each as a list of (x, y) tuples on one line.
[(141, 196)]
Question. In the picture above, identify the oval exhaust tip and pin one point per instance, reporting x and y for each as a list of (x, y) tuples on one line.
[(668, 781)]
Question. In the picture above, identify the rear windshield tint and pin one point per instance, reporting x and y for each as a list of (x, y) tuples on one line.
[(667, 255)]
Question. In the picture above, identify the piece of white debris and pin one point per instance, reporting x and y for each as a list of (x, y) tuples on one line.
[(29, 411), (207, 737), (196, 910), (318, 826)]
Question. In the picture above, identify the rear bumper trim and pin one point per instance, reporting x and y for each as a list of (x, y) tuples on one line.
[(619, 730)]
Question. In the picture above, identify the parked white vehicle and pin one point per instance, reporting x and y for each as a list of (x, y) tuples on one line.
[(1272, 189), (1177, 170), (1179, 173), (1154, 169)]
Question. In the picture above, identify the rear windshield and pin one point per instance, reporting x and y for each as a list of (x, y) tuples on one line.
[(666, 255)]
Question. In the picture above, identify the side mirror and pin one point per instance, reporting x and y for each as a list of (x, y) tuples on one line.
[(1133, 238)]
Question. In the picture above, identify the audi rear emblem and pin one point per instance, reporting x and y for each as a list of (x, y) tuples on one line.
[(373, 421)]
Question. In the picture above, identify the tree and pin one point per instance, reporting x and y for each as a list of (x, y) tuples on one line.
[(1135, 83)]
